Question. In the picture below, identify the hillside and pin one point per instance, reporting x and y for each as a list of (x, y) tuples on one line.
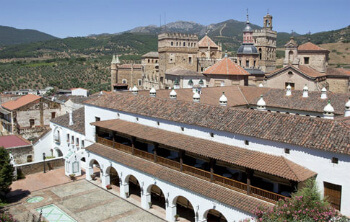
[(11, 36)]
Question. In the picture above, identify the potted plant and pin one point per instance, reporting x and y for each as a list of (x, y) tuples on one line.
[(150, 204), (109, 187), (127, 194), (176, 217), (72, 176), (93, 176)]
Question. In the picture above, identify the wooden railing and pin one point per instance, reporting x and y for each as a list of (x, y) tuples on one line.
[(230, 183), (264, 194), (169, 163), (218, 179), (195, 171)]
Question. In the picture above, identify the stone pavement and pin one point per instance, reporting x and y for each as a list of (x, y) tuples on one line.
[(81, 200)]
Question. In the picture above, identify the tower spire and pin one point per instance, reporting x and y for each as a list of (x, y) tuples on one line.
[(247, 16)]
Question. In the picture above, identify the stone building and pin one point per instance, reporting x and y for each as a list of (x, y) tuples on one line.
[(28, 116), (179, 77), (265, 42), (21, 150), (209, 53), (150, 64)]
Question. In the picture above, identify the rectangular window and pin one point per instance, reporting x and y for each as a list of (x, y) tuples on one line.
[(306, 60), (139, 82), (97, 119), (212, 134), (67, 138), (289, 83), (82, 144), (190, 60), (335, 160), (247, 63), (53, 115), (246, 142), (333, 193), (286, 150), (77, 142), (31, 122)]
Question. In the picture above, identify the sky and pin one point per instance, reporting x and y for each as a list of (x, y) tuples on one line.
[(70, 18)]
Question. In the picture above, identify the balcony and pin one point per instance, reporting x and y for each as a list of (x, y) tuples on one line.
[(194, 171)]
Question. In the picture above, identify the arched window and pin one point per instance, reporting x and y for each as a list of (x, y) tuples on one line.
[(29, 158), (172, 43), (184, 44), (260, 54)]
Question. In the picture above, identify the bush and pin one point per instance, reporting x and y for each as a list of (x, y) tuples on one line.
[(6, 217), (6, 173), (305, 205)]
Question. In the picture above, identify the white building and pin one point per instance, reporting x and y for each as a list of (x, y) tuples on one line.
[(211, 161), (80, 92)]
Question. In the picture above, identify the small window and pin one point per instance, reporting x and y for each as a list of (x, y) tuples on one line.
[(335, 160), (72, 140), (212, 134), (286, 150), (184, 44), (247, 63), (158, 123), (140, 82), (67, 138), (190, 60), (29, 158), (118, 114), (77, 141), (124, 81), (182, 128), (31, 122), (137, 119), (53, 115), (289, 83), (246, 142), (97, 119), (172, 43), (306, 60), (82, 144)]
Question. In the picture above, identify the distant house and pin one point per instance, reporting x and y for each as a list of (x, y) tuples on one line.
[(28, 115), (80, 92), (20, 148)]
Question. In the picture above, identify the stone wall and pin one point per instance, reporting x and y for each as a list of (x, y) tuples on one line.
[(317, 61), (131, 75), (338, 85), (36, 167), (22, 154)]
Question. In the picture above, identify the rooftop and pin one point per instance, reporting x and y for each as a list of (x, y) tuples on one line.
[(180, 71), (22, 101), (302, 69), (151, 55), (315, 133), (128, 66), (207, 41), (78, 119), (13, 141), (309, 46), (338, 72), (225, 67)]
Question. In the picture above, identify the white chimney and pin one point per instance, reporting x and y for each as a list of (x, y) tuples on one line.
[(289, 90), (173, 94), (153, 92), (305, 91), (347, 109), (328, 111), (324, 93), (135, 90), (223, 100), (261, 85), (261, 104), (196, 97), (70, 112)]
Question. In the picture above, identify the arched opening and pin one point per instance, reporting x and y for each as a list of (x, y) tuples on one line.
[(260, 54), (291, 56), (215, 216), (59, 152), (184, 208), (113, 178), (134, 188), (96, 170), (157, 197)]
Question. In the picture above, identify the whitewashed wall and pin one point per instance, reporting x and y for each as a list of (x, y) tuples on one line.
[(79, 92), (315, 160), (43, 145)]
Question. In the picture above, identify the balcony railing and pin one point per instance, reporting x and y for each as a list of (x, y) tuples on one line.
[(218, 179)]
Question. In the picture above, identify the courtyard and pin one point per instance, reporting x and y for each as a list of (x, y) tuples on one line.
[(71, 201)]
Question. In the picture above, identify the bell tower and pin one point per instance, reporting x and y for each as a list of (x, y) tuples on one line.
[(268, 22)]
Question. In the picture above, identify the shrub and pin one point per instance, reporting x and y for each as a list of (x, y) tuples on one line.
[(6, 217)]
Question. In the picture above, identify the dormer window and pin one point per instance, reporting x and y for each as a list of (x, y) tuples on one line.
[(158, 123), (137, 119), (182, 128), (286, 151), (246, 142)]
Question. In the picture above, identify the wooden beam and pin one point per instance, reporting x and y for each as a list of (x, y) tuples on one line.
[(133, 145), (181, 154), (155, 151)]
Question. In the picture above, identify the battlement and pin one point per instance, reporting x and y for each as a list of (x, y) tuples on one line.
[(177, 36)]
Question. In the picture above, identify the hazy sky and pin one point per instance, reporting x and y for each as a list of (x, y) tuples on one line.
[(64, 18)]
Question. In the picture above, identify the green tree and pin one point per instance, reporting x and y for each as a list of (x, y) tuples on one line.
[(6, 172)]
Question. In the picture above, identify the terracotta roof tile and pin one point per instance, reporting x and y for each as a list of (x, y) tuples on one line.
[(180, 71), (338, 72), (12, 141), (302, 69), (226, 67), (316, 133), (274, 165), (22, 101), (309, 46), (207, 41), (78, 120), (222, 194)]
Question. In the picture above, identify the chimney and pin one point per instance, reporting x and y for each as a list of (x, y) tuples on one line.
[(134, 90), (223, 100), (305, 91), (324, 93), (347, 109), (261, 104), (173, 94), (70, 112), (153, 92), (289, 90), (196, 97), (328, 111)]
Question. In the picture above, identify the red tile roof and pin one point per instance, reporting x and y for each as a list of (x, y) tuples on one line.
[(226, 67), (316, 133), (302, 69), (338, 72), (12, 141), (22, 101), (309, 46), (274, 165), (206, 41), (214, 191)]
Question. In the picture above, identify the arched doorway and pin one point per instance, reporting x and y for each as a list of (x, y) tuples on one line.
[(134, 187), (184, 209), (157, 197), (58, 152), (113, 178), (214, 216), (95, 172)]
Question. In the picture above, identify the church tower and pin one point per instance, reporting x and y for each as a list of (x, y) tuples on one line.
[(265, 42), (114, 71)]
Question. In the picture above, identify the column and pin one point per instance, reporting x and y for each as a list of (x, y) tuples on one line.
[(124, 189), (89, 172), (105, 179), (212, 164), (181, 154), (145, 200), (170, 212), (133, 145), (249, 178), (276, 187), (155, 152)]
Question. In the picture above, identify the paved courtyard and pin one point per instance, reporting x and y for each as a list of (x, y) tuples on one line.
[(77, 201)]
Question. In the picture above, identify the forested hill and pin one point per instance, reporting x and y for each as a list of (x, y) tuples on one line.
[(11, 36)]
